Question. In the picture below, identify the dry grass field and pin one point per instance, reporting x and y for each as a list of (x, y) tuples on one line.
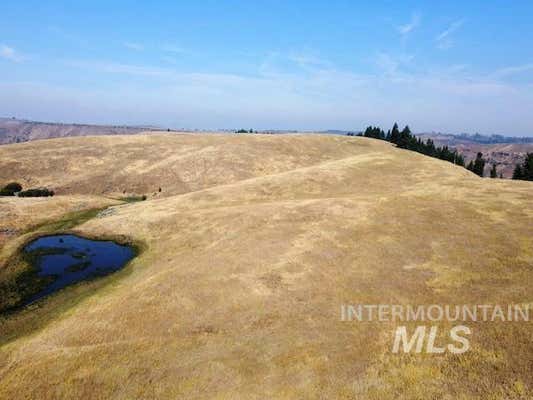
[(249, 251)]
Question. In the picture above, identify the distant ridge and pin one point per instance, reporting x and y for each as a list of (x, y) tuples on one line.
[(462, 138), (14, 130)]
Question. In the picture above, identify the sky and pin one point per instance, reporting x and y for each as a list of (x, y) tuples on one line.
[(459, 66)]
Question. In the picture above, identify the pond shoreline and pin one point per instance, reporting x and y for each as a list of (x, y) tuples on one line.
[(61, 260), (17, 279)]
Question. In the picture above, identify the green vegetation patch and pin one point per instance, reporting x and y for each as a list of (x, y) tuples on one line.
[(68, 221), (133, 199), (21, 280)]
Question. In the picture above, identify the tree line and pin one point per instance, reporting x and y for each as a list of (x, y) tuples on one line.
[(404, 139)]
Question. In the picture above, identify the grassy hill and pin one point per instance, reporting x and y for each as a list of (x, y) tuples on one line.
[(250, 249)]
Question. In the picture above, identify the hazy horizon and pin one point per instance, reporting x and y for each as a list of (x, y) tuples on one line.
[(232, 129), (451, 68)]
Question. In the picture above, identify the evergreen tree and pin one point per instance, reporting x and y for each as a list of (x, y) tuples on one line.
[(493, 173), (395, 134), (524, 171), (517, 173), (374, 132), (528, 167), (405, 138), (459, 159), (430, 148), (479, 165)]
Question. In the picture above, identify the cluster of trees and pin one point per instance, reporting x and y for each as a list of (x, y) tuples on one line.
[(244, 131), (15, 188), (525, 171), (406, 140)]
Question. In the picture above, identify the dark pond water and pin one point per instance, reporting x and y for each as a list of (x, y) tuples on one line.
[(67, 259)]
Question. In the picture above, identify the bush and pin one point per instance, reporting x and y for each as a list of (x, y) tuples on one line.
[(13, 186), (36, 193), (10, 189), (4, 192)]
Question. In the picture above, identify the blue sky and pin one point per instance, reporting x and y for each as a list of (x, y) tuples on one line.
[(452, 67)]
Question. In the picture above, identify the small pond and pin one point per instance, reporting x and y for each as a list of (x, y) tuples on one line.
[(63, 260)]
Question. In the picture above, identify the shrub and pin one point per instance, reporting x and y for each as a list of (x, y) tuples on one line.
[(13, 186), (43, 192), (10, 189)]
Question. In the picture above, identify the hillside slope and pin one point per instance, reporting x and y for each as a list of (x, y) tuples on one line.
[(176, 163), (251, 248)]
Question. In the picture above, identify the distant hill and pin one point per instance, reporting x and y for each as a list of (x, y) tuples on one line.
[(17, 130), (504, 151), (465, 138)]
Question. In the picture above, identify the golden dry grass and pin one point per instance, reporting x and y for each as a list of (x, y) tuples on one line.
[(251, 247)]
